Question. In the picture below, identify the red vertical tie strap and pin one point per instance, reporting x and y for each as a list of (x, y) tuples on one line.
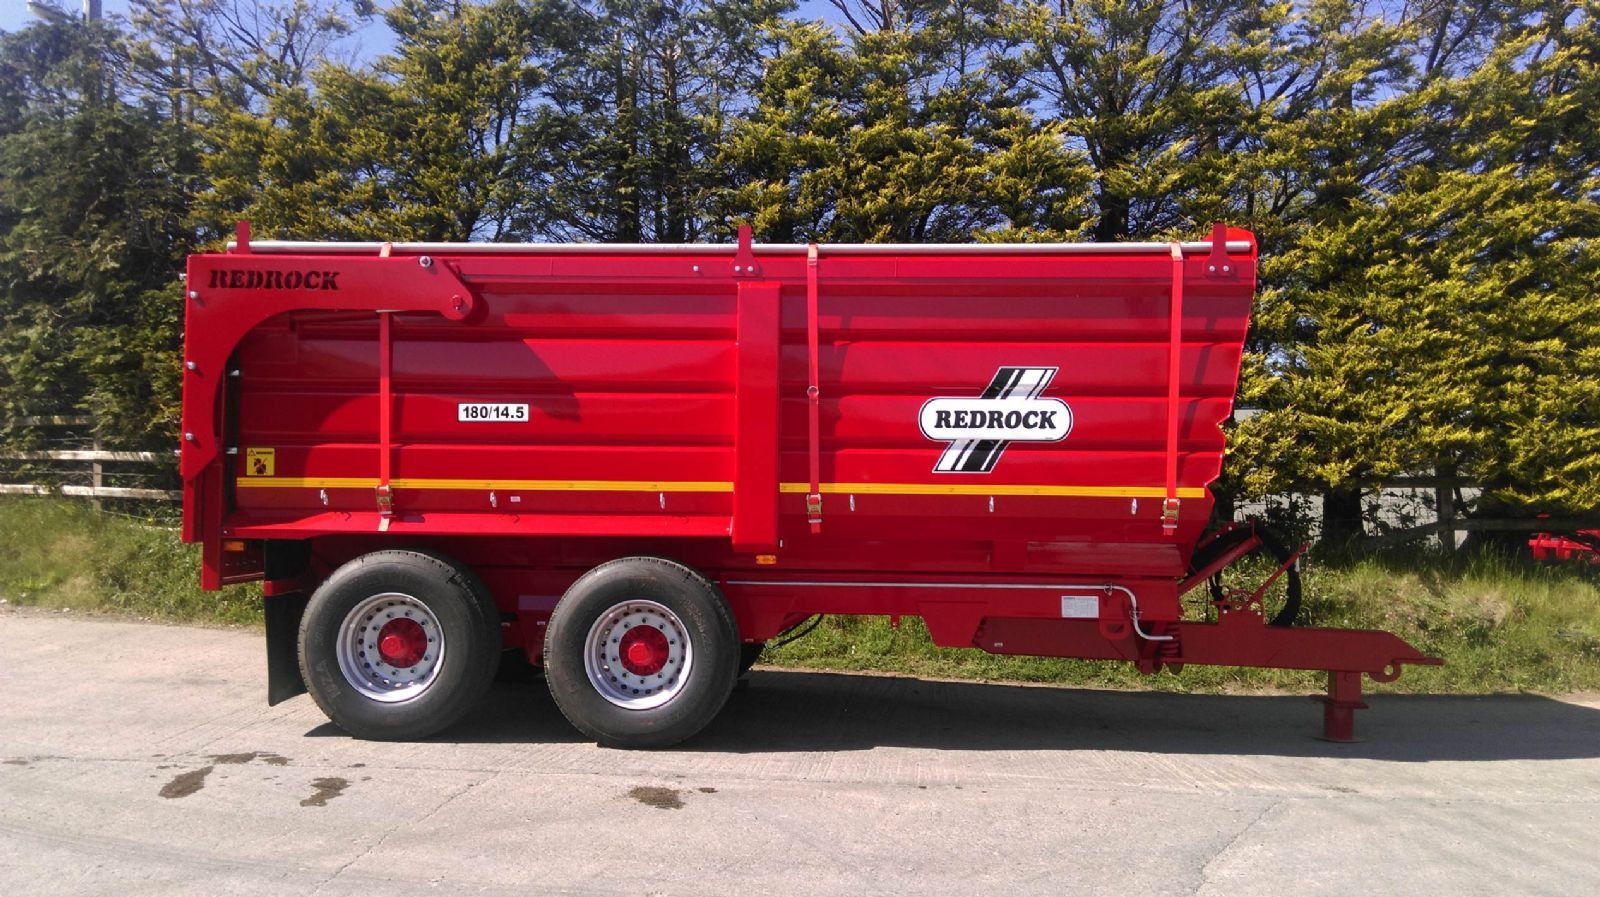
[(1169, 507), (813, 394), (385, 494)]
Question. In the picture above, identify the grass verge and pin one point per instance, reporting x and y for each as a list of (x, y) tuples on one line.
[(1501, 626), (62, 554)]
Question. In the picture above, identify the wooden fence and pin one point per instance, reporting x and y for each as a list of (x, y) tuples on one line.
[(97, 459), (1405, 509)]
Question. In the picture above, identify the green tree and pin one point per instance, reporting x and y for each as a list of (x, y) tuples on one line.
[(1144, 89), (235, 53), (420, 146), (1434, 310), (637, 106), (913, 126), (93, 196)]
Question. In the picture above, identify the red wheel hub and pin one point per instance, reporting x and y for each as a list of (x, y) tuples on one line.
[(644, 650), (401, 643)]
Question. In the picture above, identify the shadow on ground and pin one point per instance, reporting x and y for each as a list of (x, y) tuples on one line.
[(781, 711)]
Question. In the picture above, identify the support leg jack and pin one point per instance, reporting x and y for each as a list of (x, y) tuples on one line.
[(1339, 707)]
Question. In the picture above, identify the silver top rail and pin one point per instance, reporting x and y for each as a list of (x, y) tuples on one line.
[(314, 247)]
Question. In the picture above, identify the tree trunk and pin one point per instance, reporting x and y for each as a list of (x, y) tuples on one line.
[(1342, 523), (625, 186), (1114, 211), (1444, 497), (1226, 505)]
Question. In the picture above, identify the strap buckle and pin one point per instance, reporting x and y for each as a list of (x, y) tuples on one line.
[(814, 507), (1169, 513)]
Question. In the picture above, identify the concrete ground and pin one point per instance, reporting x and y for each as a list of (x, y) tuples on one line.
[(140, 759)]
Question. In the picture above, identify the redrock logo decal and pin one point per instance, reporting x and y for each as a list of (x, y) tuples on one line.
[(979, 429), (273, 280)]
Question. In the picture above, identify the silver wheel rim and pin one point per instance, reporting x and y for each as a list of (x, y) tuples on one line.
[(363, 663), (614, 681)]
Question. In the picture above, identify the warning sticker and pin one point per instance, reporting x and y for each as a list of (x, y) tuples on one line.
[(258, 462)]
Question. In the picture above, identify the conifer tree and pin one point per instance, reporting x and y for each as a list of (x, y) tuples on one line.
[(641, 97), (912, 126), (94, 191), (419, 146), (1435, 313)]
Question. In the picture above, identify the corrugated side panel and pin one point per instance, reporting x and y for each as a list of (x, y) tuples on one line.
[(629, 387), (888, 347), (629, 407)]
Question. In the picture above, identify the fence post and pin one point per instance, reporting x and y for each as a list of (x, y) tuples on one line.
[(1444, 499), (96, 473)]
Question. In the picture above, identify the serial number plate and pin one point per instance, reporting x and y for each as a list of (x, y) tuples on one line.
[(1080, 607), (488, 412)]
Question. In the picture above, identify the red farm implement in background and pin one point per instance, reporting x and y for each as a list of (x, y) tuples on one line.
[(636, 464), (1582, 546)]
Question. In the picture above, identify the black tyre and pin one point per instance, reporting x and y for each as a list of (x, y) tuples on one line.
[(749, 653), (1282, 605), (641, 652), (397, 645)]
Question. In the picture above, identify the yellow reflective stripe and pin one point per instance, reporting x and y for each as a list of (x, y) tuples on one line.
[(716, 486), (307, 482)]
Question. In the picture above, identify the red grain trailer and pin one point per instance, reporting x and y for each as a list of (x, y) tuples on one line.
[(638, 463)]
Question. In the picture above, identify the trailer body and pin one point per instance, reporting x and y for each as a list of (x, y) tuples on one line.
[(1013, 442)]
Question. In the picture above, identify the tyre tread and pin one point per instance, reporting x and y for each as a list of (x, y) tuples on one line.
[(573, 680)]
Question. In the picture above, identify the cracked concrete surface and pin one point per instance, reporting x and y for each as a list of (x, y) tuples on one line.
[(807, 784)]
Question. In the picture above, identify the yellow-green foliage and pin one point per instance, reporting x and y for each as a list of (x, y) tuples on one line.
[(1435, 309)]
